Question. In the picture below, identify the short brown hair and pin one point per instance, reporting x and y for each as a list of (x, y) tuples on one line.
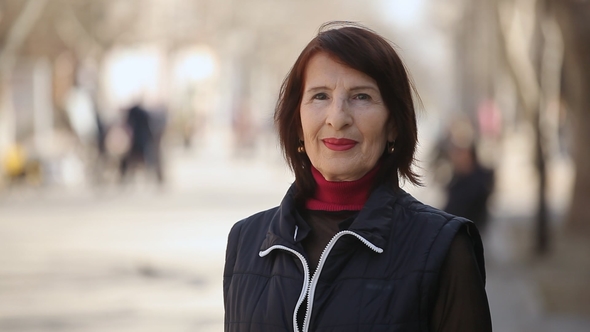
[(364, 50)]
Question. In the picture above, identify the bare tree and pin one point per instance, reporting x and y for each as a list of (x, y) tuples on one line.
[(16, 35), (522, 49), (573, 18)]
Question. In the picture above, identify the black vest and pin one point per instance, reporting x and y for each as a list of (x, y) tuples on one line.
[(379, 275)]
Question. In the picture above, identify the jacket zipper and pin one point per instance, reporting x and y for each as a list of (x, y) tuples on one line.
[(305, 286), (308, 289), (316, 275)]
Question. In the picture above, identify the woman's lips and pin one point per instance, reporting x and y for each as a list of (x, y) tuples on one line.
[(339, 144)]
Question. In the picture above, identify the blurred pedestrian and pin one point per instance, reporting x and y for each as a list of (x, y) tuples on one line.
[(144, 146), (470, 187), (348, 249), (467, 182)]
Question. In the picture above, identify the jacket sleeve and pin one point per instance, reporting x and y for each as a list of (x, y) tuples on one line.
[(231, 254), (461, 303)]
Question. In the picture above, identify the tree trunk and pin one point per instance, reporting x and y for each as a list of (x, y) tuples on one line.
[(573, 17), (16, 36), (525, 73)]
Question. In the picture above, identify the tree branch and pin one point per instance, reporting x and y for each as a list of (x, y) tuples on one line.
[(18, 34)]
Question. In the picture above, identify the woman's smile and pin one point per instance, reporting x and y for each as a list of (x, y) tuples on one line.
[(339, 144)]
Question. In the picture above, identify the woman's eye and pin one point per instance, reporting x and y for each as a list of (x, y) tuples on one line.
[(320, 96), (362, 96)]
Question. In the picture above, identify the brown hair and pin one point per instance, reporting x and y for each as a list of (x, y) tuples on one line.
[(364, 50)]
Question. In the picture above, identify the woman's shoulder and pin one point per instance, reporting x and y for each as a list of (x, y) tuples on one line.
[(418, 210), (249, 233), (441, 228), (262, 220), (433, 223), (257, 220)]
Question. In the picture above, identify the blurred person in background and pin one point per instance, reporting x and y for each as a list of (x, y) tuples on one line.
[(348, 249), (83, 117), (468, 184), (470, 187), (86, 124), (145, 132)]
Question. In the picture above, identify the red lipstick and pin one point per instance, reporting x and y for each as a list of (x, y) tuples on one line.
[(339, 144)]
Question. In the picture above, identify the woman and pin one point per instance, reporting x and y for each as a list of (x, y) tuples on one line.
[(347, 249)]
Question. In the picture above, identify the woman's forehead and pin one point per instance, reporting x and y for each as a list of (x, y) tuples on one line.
[(324, 70)]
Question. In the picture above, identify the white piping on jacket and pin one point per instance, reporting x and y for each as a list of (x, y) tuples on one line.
[(309, 287), (305, 280)]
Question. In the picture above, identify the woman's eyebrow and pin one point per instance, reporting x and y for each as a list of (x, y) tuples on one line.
[(316, 88), (356, 88), (364, 87)]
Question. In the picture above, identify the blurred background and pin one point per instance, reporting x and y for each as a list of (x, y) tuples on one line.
[(134, 133)]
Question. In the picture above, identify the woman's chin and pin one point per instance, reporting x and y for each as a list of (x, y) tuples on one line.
[(341, 174)]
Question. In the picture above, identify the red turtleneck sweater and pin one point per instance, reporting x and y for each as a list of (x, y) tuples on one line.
[(340, 195)]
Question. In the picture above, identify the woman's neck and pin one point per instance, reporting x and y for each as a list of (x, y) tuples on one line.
[(340, 195)]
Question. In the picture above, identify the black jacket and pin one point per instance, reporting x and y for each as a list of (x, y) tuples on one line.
[(379, 275)]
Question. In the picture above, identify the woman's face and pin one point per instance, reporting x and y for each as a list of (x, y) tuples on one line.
[(343, 120)]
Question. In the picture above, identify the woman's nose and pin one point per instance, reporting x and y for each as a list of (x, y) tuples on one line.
[(338, 115)]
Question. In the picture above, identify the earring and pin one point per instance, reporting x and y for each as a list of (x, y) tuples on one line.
[(390, 147), (301, 147)]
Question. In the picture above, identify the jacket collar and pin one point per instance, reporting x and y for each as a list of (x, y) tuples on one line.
[(373, 221), (283, 226)]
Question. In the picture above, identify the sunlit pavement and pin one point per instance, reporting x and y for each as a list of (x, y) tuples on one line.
[(144, 258), (138, 259)]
